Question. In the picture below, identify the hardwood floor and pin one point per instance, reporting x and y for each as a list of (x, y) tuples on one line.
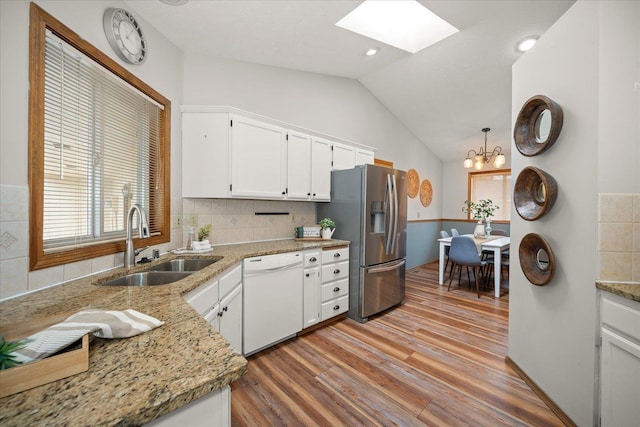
[(438, 360)]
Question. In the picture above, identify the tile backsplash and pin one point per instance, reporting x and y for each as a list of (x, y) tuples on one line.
[(235, 221), (619, 237)]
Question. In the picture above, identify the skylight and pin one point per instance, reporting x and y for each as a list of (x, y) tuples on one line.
[(404, 24)]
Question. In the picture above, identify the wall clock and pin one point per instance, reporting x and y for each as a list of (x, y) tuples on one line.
[(125, 36)]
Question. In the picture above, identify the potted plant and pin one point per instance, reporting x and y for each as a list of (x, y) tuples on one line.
[(328, 226), (482, 210)]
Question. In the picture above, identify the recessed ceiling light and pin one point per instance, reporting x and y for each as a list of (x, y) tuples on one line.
[(526, 43), (405, 24), (372, 51)]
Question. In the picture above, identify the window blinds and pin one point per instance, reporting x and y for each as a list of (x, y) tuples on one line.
[(101, 151)]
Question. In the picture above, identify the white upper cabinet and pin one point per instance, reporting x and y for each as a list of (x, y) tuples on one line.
[(258, 159), (228, 153), (205, 155), (320, 169), (298, 165), (364, 157), (344, 157)]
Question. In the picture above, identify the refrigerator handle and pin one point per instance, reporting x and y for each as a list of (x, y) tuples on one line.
[(388, 268), (390, 214), (394, 238)]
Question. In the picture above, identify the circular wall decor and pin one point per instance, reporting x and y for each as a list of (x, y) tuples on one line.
[(536, 259), (426, 193), (534, 193), (537, 126), (413, 180), (125, 36)]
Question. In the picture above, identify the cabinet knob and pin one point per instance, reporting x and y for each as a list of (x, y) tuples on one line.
[(219, 314), (308, 194), (314, 194), (336, 271), (336, 307), (336, 255), (284, 192), (225, 308), (336, 289), (313, 259), (307, 274)]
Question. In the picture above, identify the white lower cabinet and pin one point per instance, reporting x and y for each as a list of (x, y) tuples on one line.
[(335, 282), (619, 361), (219, 301), (212, 410), (326, 290), (311, 288)]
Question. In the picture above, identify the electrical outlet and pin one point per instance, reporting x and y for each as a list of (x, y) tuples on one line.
[(193, 220), (177, 222), (293, 218)]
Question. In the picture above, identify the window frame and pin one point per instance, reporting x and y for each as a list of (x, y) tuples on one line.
[(39, 22), (489, 172)]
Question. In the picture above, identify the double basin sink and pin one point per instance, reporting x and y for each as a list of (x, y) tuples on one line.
[(163, 273)]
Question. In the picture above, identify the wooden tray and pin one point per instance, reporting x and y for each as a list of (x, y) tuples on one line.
[(70, 361), (311, 239)]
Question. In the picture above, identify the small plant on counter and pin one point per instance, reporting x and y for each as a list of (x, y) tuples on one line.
[(203, 233), (7, 348), (482, 210), (326, 223)]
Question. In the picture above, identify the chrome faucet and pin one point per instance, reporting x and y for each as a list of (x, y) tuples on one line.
[(143, 230)]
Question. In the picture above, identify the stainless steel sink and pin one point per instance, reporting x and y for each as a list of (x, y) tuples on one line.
[(147, 278), (185, 264)]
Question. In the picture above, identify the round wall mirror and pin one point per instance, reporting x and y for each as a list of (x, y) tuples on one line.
[(538, 125), (543, 126), (542, 259), (540, 193), (534, 193), (536, 259)]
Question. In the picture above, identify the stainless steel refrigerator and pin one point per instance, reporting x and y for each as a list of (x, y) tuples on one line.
[(369, 206)]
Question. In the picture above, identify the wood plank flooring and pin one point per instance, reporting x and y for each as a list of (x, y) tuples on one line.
[(438, 360)]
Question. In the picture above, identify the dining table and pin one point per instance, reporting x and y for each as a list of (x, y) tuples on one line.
[(495, 244)]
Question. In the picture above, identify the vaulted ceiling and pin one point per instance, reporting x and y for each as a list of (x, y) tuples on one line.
[(444, 94)]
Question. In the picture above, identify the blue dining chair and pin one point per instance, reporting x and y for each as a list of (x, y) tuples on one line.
[(464, 252), (454, 232), (443, 235)]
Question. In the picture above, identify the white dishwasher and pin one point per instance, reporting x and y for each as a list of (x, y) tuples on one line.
[(272, 299)]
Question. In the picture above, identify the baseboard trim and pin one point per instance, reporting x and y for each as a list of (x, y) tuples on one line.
[(541, 394)]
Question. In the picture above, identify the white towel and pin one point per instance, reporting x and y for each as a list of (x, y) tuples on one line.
[(102, 323)]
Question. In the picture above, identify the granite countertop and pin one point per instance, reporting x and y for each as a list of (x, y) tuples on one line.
[(135, 380), (629, 290)]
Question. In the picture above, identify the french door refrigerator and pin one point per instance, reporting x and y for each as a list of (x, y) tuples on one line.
[(369, 206)]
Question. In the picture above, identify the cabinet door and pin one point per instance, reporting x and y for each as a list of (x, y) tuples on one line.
[(344, 157), (320, 169), (231, 318), (298, 165), (311, 296), (364, 157), (620, 381), (258, 159), (205, 155)]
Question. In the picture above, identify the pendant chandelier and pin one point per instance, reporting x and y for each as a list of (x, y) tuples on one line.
[(481, 157)]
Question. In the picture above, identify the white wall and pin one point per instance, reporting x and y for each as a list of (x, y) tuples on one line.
[(162, 71), (552, 328), (331, 105)]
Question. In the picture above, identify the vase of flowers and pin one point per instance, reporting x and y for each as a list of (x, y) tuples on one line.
[(482, 211), (328, 227)]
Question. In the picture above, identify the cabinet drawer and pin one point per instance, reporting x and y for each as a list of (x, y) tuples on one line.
[(311, 259), (335, 255), (335, 307), (203, 297), (335, 289), (621, 314), (229, 280), (335, 271)]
